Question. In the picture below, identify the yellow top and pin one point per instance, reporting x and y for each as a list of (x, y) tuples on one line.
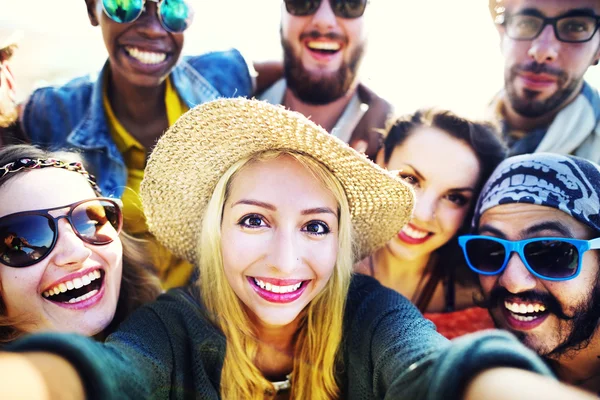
[(172, 271)]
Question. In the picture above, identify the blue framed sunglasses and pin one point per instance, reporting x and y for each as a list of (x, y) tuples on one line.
[(174, 15), (549, 258)]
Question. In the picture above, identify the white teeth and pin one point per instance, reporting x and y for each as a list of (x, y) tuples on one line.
[(146, 57), (318, 45), (523, 308), (83, 297), (414, 233), (277, 289), (73, 284)]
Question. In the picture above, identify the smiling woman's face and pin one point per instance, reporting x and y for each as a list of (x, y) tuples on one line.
[(444, 172), (89, 274), (279, 238)]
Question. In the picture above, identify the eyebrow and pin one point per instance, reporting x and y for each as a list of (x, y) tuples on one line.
[(255, 203), (542, 226), (589, 12), (416, 171), (309, 211), (549, 226)]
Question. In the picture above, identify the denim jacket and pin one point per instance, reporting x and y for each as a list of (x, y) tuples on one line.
[(72, 116)]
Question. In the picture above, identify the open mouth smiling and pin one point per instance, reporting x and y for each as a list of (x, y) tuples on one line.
[(77, 289)]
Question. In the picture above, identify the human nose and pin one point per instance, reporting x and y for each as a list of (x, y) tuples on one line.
[(150, 25), (69, 250), (425, 206), (285, 256), (544, 48), (324, 16), (516, 278)]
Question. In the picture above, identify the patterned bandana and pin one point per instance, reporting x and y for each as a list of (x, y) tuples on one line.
[(568, 183)]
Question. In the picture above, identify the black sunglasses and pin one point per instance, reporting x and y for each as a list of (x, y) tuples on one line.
[(341, 8), (27, 237)]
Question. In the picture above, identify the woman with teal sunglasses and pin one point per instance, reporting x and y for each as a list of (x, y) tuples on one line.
[(145, 85)]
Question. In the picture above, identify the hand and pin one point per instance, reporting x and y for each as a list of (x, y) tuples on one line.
[(8, 104), (492, 385), (360, 145)]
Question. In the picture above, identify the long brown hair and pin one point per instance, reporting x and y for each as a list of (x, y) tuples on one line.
[(139, 283)]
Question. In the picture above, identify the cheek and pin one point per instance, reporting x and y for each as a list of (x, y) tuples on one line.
[(240, 250), (19, 287), (323, 257), (452, 219), (487, 283)]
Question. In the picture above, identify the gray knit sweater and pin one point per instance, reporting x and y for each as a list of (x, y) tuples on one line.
[(169, 350)]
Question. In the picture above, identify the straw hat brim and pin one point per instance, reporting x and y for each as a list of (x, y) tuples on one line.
[(190, 158)]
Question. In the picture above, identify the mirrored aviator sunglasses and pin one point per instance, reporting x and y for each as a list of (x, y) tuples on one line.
[(341, 8), (174, 15), (28, 237), (548, 258)]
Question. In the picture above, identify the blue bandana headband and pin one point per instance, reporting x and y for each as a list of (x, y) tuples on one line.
[(570, 184)]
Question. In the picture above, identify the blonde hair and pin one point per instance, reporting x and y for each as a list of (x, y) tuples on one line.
[(318, 339)]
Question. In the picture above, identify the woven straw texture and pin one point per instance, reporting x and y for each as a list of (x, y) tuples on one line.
[(204, 143)]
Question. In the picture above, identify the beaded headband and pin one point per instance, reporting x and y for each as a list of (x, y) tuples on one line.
[(36, 163)]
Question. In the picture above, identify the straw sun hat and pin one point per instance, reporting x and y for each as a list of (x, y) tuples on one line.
[(190, 158)]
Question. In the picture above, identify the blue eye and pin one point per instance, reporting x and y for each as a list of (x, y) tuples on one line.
[(317, 228)]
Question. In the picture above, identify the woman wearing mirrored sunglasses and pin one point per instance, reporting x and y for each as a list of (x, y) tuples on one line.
[(142, 89), (268, 211), (65, 265), (446, 158)]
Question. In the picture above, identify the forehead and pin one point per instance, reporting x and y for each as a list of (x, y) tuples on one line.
[(432, 151), (282, 180), (43, 188), (552, 8), (520, 221)]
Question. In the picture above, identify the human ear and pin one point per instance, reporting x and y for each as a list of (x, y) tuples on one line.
[(91, 11)]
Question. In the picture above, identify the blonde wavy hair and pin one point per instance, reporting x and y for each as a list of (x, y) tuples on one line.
[(317, 346)]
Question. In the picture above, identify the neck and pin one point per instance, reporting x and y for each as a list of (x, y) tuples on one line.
[(137, 105), (275, 355), (581, 369), (325, 115)]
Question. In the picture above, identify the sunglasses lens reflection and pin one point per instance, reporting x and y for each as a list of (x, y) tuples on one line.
[(301, 8), (176, 15), (486, 255), (349, 8), (123, 11), (552, 258), (97, 221), (25, 239)]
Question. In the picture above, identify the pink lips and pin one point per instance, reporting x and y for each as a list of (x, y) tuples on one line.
[(517, 325), (537, 81), (411, 240), (278, 297)]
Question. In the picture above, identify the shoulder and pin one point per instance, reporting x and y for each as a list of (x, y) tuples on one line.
[(54, 110), (228, 71)]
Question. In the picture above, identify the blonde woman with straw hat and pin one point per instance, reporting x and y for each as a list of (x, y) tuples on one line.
[(273, 211)]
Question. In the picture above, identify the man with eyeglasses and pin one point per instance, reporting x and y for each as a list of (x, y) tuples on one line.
[(537, 224), (546, 105), (323, 44)]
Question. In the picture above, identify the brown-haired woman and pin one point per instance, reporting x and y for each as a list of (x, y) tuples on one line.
[(64, 264), (446, 159)]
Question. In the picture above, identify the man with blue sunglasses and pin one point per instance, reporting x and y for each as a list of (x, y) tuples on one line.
[(537, 224)]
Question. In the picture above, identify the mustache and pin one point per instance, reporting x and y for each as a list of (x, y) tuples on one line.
[(314, 34), (537, 68), (498, 295)]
